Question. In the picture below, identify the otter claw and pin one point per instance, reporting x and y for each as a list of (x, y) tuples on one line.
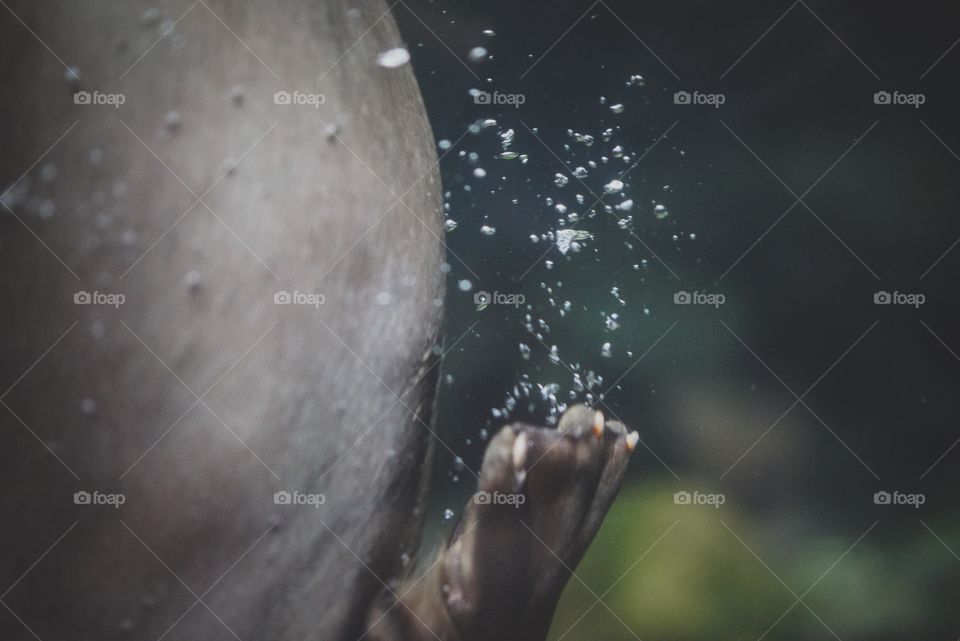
[(598, 423)]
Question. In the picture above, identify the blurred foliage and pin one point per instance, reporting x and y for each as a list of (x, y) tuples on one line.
[(689, 573)]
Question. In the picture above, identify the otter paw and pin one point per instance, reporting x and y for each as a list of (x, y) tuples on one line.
[(543, 494)]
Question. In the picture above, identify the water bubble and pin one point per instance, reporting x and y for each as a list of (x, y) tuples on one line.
[(606, 350), (580, 172), (444, 144), (487, 230), (449, 224), (617, 108), (660, 212), (192, 279), (448, 514), (384, 298), (637, 80), (509, 155), (560, 180), (488, 32), (626, 205), (480, 172), (393, 58), (465, 285)]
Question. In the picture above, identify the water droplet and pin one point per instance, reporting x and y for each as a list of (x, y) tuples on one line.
[(150, 17), (236, 95), (88, 406), (393, 58), (613, 187), (173, 120), (566, 239), (48, 172), (72, 75), (477, 54), (192, 279)]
